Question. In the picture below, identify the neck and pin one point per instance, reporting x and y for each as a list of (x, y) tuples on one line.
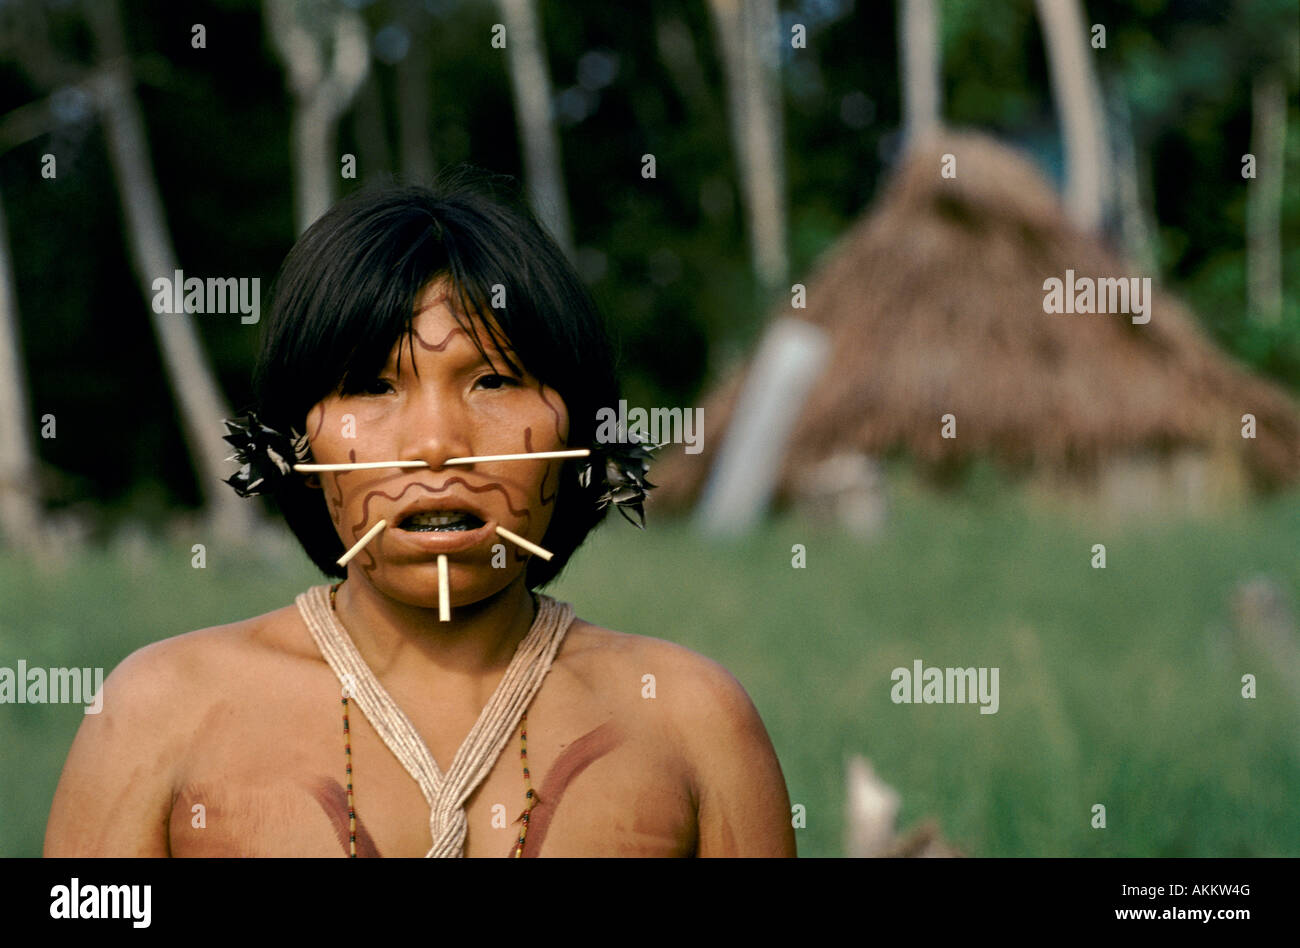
[(396, 639)]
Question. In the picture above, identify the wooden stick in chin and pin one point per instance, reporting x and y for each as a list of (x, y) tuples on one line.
[(444, 590)]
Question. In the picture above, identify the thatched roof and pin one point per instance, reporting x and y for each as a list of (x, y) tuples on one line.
[(934, 304)]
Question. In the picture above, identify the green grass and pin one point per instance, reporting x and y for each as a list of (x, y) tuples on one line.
[(1118, 686)]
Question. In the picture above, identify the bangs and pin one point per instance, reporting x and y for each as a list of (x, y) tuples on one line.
[(346, 295), (365, 304)]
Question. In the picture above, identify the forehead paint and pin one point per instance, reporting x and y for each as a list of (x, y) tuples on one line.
[(446, 340), (436, 347)]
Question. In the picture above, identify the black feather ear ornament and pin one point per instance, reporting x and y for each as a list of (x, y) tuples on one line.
[(267, 456), (622, 468)]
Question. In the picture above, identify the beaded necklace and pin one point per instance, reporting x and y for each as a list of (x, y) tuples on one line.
[(347, 751)]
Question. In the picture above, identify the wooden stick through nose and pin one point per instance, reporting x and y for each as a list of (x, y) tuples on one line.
[(474, 459), (527, 456)]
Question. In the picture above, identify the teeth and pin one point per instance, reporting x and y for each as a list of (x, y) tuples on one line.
[(441, 520), (436, 518)]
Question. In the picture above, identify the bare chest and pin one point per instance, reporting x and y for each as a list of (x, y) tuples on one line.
[(267, 776)]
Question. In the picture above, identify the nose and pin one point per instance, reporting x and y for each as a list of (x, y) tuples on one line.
[(434, 427)]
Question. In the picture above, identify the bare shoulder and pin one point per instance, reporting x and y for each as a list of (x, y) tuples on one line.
[(189, 665), (743, 808), (115, 793), (691, 685)]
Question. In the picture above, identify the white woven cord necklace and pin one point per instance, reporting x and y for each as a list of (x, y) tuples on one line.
[(445, 793)]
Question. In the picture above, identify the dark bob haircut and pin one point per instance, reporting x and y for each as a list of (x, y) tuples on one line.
[(346, 294)]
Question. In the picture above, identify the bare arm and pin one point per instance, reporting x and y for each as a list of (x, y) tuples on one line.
[(743, 805), (115, 795)]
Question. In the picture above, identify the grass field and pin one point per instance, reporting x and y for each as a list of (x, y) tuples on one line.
[(1119, 686)]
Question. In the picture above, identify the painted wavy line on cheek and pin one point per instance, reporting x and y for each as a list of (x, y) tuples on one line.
[(319, 424), (546, 501), (383, 479), (371, 564), (541, 494), (365, 503), (541, 390), (337, 501)]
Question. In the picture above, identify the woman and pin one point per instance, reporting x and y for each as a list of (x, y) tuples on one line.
[(379, 715)]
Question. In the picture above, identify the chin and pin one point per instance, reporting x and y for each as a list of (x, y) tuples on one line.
[(416, 584)]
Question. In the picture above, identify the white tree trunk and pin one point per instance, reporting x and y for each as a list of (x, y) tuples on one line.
[(918, 29), (531, 81), (1132, 185), (1264, 198), (198, 398), (320, 96), (747, 471), (1077, 94), (747, 35), (20, 508)]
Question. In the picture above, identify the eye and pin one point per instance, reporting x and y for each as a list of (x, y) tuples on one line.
[(495, 380), (377, 386)]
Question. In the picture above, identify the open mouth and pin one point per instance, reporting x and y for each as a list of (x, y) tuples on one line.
[(441, 521)]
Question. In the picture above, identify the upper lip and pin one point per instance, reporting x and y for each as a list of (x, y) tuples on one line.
[(439, 502)]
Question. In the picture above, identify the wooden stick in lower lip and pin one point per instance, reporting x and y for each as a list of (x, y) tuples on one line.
[(528, 545), (444, 590), (356, 547)]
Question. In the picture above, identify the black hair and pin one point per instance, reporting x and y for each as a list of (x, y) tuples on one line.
[(346, 294)]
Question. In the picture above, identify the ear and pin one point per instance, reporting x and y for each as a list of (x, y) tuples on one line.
[(313, 480)]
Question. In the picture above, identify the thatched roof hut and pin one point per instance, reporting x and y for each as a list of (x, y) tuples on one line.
[(934, 304)]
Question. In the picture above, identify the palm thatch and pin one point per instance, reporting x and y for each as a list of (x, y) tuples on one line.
[(934, 303)]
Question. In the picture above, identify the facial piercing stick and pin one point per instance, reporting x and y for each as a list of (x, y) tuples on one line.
[(379, 465), (356, 466), (444, 590), (356, 547), (528, 456), (528, 545)]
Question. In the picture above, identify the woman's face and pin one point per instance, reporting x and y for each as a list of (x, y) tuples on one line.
[(447, 401)]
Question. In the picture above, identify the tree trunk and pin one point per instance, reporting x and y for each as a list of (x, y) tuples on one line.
[(1264, 198), (747, 36), (1078, 106), (676, 48), (320, 96), (531, 81), (746, 474), (1132, 184), (20, 506), (918, 38), (198, 398)]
